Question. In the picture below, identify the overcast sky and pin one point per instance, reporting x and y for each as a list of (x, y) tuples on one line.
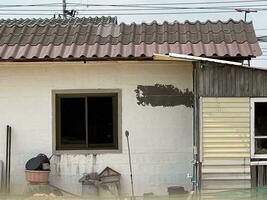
[(259, 19)]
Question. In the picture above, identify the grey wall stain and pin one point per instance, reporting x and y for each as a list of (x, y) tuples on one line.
[(163, 95)]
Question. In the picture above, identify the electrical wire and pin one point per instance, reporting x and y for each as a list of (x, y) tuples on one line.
[(117, 14), (131, 14), (131, 5), (163, 6), (180, 3), (140, 9), (221, 9)]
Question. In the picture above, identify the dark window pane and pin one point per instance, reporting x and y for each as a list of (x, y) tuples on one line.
[(73, 121), (261, 119), (260, 145), (100, 120)]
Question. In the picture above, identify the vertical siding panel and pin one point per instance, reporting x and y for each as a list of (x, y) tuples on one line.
[(260, 174), (201, 80), (225, 81), (260, 83), (237, 82), (255, 83), (215, 81), (246, 82), (233, 86), (241, 82), (229, 83), (251, 84), (207, 80), (253, 176), (228, 88), (262, 88), (265, 85), (211, 81), (221, 83)]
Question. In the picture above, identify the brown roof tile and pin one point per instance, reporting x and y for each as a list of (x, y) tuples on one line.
[(103, 37), (58, 21)]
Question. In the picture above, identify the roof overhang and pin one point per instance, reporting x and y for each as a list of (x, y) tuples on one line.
[(182, 57), (187, 58)]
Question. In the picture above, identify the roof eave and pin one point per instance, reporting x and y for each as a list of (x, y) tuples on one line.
[(83, 59)]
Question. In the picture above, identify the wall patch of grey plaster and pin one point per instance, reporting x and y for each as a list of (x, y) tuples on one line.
[(163, 95)]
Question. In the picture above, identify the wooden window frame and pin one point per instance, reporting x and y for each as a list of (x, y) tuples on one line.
[(252, 127), (58, 148)]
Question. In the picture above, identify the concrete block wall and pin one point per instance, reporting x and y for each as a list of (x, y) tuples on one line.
[(160, 137)]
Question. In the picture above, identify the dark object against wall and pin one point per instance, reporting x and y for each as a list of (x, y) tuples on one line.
[(37, 162), (258, 175), (163, 95)]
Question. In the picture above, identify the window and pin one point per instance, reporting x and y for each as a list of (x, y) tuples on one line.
[(87, 121), (259, 128)]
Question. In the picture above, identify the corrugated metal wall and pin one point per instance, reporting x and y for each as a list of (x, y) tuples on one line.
[(225, 134), (218, 80), (258, 175)]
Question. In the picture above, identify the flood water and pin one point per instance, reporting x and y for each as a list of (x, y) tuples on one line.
[(259, 193)]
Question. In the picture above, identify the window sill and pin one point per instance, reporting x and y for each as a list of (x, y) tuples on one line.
[(259, 156), (262, 162), (76, 152)]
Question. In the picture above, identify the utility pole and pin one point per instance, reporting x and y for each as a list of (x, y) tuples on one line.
[(246, 11), (66, 12), (64, 9)]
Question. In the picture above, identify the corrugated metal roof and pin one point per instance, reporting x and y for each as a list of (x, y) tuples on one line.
[(76, 38)]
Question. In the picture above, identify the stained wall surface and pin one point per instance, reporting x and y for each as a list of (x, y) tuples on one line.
[(160, 134)]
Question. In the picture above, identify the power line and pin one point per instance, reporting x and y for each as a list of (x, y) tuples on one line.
[(262, 38), (130, 5), (107, 10), (32, 5), (221, 9), (141, 9), (167, 6), (180, 3), (117, 14)]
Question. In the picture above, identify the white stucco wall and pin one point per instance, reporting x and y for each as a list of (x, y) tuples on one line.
[(160, 137)]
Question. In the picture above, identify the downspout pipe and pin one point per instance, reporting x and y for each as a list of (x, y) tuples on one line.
[(1, 176), (195, 177), (8, 159)]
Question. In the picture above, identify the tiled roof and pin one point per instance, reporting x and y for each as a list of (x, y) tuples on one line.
[(103, 37), (61, 21)]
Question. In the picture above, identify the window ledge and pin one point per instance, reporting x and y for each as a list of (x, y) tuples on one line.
[(262, 162), (260, 156), (75, 152)]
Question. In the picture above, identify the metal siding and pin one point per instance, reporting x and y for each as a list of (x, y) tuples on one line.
[(218, 80), (226, 143)]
